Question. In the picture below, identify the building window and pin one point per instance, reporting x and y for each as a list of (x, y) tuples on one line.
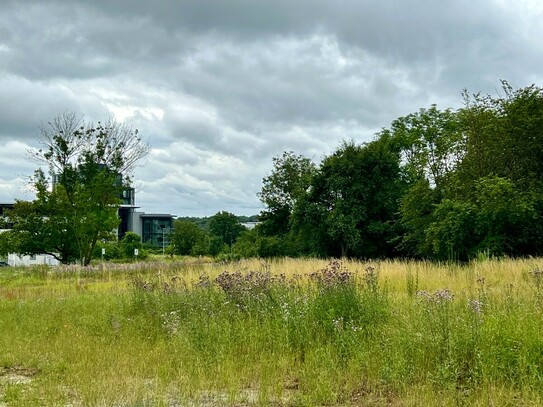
[(155, 230)]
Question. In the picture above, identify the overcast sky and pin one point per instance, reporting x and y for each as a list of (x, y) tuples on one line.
[(218, 88)]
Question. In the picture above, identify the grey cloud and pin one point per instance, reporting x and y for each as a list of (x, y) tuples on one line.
[(200, 181), (25, 104), (14, 171), (72, 41), (220, 87)]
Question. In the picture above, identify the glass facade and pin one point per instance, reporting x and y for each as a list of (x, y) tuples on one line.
[(156, 229), (128, 196)]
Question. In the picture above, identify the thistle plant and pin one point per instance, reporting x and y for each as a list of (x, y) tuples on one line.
[(371, 278), (252, 291), (436, 309)]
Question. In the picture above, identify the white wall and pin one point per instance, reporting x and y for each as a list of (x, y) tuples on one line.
[(15, 260), (134, 224)]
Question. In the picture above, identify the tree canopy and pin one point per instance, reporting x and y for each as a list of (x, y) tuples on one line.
[(439, 184)]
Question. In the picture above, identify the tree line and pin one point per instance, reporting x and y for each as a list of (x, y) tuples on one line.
[(436, 184)]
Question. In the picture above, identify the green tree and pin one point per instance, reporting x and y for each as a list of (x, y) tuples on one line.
[(430, 142), (484, 193), (288, 182), (416, 208), (353, 200), (509, 220), (248, 244), (88, 165), (226, 227), (252, 243), (5, 244), (187, 237), (40, 227), (505, 136), (451, 234)]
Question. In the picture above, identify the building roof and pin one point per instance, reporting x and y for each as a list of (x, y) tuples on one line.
[(156, 215)]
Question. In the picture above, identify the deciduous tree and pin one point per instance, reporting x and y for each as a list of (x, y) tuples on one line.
[(185, 236), (288, 182), (225, 226), (89, 165)]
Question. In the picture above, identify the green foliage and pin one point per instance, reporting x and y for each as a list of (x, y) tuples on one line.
[(113, 250), (226, 227), (478, 188), (252, 243), (282, 189), (5, 243), (129, 243), (40, 226), (186, 236), (203, 223), (439, 184), (430, 142), (451, 234), (353, 200), (497, 219), (123, 249), (247, 245), (212, 245)]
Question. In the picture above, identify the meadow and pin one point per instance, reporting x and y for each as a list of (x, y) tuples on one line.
[(273, 333)]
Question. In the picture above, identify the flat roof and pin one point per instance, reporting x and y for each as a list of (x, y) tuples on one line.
[(156, 215)]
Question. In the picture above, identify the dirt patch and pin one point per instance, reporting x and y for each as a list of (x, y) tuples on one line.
[(17, 374)]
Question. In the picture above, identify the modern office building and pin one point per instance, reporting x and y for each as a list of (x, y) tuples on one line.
[(154, 228)]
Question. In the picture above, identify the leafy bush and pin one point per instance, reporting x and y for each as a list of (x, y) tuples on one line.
[(121, 250)]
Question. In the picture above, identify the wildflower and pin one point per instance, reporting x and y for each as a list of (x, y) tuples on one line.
[(476, 306), (443, 295), (170, 322), (338, 323)]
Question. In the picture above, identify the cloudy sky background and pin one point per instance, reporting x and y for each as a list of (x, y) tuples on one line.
[(218, 88)]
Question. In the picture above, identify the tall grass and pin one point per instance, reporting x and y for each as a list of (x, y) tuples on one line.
[(286, 332)]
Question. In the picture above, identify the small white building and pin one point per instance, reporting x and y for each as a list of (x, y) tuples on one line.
[(15, 260), (32, 260)]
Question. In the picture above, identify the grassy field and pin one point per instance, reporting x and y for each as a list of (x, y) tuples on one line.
[(284, 332)]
